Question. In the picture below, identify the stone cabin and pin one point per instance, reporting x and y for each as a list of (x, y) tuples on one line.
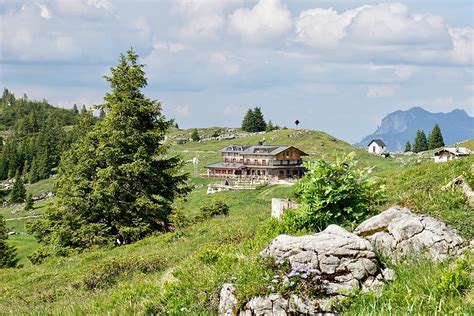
[(450, 153), (376, 146), (259, 161)]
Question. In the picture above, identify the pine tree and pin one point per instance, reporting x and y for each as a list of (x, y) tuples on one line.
[(420, 143), (34, 174), (119, 180), (247, 121), (435, 138), (29, 202), (8, 258), (83, 110), (74, 109), (407, 146), (195, 136), (270, 126), (18, 193), (254, 121)]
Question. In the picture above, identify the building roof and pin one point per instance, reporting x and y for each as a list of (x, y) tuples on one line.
[(234, 148), (378, 142), (258, 150), (223, 165), (457, 151)]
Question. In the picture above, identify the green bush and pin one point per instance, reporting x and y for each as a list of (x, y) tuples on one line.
[(334, 193), (214, 208)]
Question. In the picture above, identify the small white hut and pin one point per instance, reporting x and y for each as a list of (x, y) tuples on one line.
[(376, 147)]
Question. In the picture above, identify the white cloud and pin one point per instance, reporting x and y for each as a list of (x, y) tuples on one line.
[(392, 24), (228, 67), (381, 90), (463, 44), (202, 19), (323, 28), (69, 30), (268, 19)]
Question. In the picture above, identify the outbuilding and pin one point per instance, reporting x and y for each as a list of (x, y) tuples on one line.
[(450, 153), (376, 146)]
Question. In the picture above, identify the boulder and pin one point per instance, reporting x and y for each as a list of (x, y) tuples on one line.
[(228, 303), (398, 233), (334, 262)]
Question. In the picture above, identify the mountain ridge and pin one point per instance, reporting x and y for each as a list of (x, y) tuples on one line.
[(400, 126)]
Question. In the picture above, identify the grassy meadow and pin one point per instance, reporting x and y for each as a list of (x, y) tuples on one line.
[(181, 272)]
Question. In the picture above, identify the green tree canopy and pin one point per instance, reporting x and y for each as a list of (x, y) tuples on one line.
[(18, 193), (407, 146), (195, 135), (254, 121), (8, 258), (420, 143), (435, 140), (118, 181)]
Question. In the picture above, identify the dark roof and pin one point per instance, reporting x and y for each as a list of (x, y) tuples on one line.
[(378, 142), (234, 148), (457, 151), (268, 150), (224, 165)]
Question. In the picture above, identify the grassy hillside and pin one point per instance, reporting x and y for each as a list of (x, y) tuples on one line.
[(315, 143), (182, 272)]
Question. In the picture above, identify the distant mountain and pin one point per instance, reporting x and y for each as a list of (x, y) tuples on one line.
[(398, 127)]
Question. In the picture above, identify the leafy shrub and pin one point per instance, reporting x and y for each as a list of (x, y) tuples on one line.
[(334, 192), (214, 208), (208, 256), (179, 218)]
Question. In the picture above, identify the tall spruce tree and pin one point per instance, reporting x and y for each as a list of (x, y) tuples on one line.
[(8, 258), (420, 143), (407, 146), (119, 181), (254, 121), (247, 121), (435, 140), (18, 193)]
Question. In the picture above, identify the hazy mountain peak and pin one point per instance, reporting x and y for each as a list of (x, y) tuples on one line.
[(400, 126)]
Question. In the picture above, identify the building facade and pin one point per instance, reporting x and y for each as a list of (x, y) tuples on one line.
[(376, 146), (447, 154), (259, 161)]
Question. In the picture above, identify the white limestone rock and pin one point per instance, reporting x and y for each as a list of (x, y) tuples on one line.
[(398, 233)]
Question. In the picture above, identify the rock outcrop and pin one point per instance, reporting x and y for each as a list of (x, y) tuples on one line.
[(398, 233), (333, 262)]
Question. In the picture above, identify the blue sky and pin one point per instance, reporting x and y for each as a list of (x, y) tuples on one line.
[(336, 66)]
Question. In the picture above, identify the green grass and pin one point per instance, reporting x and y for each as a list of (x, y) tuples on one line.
[(61, 285), (25, 245), (182, 272), (315, 143)]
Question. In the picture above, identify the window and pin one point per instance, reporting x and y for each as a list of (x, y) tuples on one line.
[(264, 162)]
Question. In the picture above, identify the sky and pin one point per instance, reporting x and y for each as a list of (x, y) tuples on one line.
[(336, 66)]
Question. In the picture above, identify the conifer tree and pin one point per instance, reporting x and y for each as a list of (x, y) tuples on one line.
[(247, 121), (407, 146), (118, 182), (29, 202), (195, 135), (435, 140), (18, 191), (420, 143), (254, 121), (8, 258), (75, 109)]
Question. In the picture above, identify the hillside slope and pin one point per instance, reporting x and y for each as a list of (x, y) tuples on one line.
[(399, 127), (316, 144)]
